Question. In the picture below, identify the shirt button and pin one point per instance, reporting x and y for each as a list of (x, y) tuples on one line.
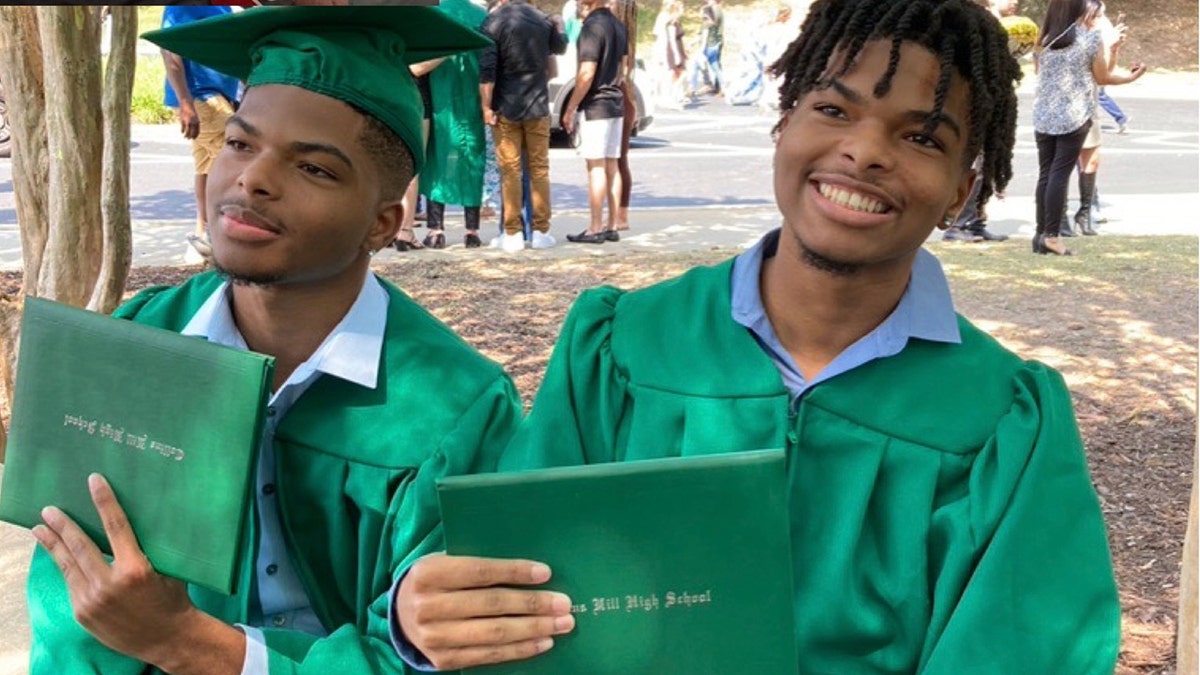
[(270, 411), (272, 568), (269, 489), (279, 620)]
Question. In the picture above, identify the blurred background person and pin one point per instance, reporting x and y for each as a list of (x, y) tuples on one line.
[(970, 225), (515, 102), (670, 58), (1071, 62), (1112, 37), (454, 163), (599, 100), (406, 238), (626, 13), (712, 20), (203, 100)]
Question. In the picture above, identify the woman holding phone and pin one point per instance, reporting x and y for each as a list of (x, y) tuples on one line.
[(1072, 62)]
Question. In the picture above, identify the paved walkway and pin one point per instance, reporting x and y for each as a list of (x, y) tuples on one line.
[(693, 229)]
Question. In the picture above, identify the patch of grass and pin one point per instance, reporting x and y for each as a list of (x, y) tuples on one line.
[(1116, 263), (148, 83), (149, 18)]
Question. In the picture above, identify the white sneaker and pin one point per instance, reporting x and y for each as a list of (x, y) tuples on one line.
[(192, 257), (509, 243), (543, 240)]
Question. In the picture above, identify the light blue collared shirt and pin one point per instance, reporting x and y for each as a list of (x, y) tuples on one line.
[(351, 352), (925, 312)]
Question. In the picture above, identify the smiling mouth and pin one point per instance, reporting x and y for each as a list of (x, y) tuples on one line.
[(855, 201)]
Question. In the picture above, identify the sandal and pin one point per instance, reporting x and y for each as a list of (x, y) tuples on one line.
[(435, 239), (406, 241), (471, 240)]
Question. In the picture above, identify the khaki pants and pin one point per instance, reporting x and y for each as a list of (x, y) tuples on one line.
[(532, 137), (214, 113)]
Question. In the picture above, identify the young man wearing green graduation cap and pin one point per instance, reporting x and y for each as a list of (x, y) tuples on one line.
[(921, 542), (306, 189)]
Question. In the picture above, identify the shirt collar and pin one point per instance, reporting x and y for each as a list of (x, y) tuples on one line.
[(925, 311), (351, 351)]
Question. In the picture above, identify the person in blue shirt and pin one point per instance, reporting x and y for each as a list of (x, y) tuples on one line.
[(204, 100)]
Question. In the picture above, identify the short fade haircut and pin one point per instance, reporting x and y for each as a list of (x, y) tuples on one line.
[(964, 36), (391, 156)]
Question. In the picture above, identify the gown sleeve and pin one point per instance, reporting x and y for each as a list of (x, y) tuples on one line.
[(577, 412), (1035, 593)]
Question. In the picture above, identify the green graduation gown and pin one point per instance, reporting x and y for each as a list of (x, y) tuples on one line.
[(924, 541), (356, 484), (453, 172)]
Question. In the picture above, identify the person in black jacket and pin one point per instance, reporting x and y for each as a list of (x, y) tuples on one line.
[(516, 104)]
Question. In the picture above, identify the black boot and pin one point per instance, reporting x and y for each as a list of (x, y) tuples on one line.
[(1083, 217), (435, 213), (978, 227), (471, 216), (1064, 225), (1098, 217), (957, 233)]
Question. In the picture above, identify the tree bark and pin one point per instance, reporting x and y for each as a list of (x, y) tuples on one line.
[(76, 243), (114, 191), (71, 67), (1187, 661), (21, 72)]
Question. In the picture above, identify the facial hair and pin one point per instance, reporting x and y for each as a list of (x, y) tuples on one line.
[(236, 279), (823, 263)]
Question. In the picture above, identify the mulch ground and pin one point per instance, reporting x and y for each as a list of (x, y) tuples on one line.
[(1120, 322)]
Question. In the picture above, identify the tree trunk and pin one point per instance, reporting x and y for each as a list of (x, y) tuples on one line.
[(114, 191), (1187, 661), (76, 244), (21, 72), (71, 67)]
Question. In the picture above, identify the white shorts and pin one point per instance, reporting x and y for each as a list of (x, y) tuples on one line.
[(600, 139), (1092, 140)]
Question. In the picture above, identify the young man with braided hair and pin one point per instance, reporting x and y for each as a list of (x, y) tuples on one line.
[(920, 544)]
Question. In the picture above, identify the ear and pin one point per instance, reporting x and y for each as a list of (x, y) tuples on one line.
[(962, 193), (388, 217)]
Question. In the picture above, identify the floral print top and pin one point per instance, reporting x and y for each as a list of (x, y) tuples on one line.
[(1066, 90)]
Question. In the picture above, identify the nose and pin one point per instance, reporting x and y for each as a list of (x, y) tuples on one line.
[(869, 148), (258, 177)]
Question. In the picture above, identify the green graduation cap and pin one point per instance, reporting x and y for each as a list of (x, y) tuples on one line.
[(359, 55)]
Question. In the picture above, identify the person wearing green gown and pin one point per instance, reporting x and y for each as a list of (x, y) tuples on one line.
[(456, 154), (306, 188), (922, 542)]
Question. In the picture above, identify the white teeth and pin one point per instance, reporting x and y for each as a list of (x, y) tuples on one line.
[(851, 200)]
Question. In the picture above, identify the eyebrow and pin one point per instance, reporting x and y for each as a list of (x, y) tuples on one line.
[(923, 116), (300, 147)]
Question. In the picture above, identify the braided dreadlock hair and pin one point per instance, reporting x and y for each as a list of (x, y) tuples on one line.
[(961, 33)]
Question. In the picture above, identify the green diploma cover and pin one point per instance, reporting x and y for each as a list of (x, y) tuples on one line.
[(678, 565), (172, 422)]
